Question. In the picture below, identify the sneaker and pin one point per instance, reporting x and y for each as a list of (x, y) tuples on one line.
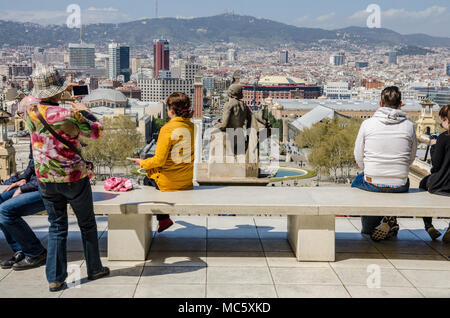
[(433, 233), (105, 272), (382, 231), (393, 232), (30, 263), (446, 238), (17, 257), (56, 287), (164, 225)]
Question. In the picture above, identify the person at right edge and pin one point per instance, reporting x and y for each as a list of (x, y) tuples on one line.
[(439, 181)]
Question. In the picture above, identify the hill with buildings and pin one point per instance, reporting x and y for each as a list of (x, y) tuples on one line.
[(242, 30)]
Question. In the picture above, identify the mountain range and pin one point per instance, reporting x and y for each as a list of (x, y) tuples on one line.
[(242, 30)]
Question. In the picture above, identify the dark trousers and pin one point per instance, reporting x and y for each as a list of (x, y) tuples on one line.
[(56, 196), (152, 183), (424, 186), (369, 223), (18, 233)]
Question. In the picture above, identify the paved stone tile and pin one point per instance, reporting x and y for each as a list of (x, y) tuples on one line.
[(427, 278), (173, 275), (345, 225), (305, 276), (360, 260), (32, 276), (183, 259), (231, 227), (184, 227), (98, 291), (355, 246), (349, 236), (356, 221), (385, 292), (229, 221), (27, 289), (435, 292), (234, 245), (405, 247), (4, 273), (75, 243), (236, 259), (272, 228), (119, 276), (361, 276), (288, 259), (276, 245), (231, 291), (425, 262), (161, 244), (170, 291), (311, 291), (239, 275)]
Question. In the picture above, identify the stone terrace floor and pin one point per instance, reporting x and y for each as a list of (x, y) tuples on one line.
[(226, 257)]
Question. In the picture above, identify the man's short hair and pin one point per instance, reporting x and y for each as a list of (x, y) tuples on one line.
[(391, 97)]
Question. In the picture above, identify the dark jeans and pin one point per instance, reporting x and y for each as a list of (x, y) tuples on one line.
[(56, 196), (152, 183), (424, 186), (18, 234), (369, 223)]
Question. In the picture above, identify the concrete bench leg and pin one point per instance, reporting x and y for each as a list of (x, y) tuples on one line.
[(129, 237), (312, 238)]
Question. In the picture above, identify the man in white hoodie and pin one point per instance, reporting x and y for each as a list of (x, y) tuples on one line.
[(385, 149)]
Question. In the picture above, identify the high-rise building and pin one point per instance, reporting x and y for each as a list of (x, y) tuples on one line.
[(338, 59), (361, 64), (393, 57), (188, 70), (447, 68), (82, 56), (284, 57), (158, 89), (161, 53), (232, 55), (119, 61), (337, 90)]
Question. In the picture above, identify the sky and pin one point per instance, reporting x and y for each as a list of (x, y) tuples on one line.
[(404, 16)]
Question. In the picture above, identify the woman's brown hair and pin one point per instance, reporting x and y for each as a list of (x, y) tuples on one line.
[(180, 103), (445, 113)]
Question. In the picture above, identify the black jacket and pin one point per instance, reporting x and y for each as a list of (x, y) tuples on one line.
[(439, 180), (30, 176)]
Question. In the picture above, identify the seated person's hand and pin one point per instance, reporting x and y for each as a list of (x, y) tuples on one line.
[(17, 193), (78, 107), (16, 185), (433, 142), (135, 161)]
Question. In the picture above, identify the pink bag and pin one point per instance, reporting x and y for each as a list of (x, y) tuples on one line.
[(118, 185)]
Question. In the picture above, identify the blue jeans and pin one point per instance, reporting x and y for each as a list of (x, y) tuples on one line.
[(18, 234), (56, 196), (369, 223)]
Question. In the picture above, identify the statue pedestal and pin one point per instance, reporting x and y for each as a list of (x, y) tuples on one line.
[(7, 160)]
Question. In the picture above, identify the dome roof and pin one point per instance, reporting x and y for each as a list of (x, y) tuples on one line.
[(106, 94)]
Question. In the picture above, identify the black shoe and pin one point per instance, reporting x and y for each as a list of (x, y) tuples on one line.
[(19, 256), (433, 233), (103, 273), (56, 287), (29, 263)]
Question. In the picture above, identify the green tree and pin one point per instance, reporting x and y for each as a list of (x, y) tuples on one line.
[(120, 140)]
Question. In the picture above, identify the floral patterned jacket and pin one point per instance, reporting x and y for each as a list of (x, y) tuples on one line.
[(54, 162)]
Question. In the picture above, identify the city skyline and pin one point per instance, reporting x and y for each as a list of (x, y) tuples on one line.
[(403, 16)]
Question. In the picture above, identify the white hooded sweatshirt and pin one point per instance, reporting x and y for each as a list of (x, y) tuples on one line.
[(386, 147)]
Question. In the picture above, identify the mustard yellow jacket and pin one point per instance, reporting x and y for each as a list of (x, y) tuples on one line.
[(172, 167)]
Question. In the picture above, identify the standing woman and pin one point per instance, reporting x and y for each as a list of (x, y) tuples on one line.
[(63, 174), (439, 180), (172, 167)]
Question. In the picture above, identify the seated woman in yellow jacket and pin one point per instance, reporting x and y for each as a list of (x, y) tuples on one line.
[(172, 167)]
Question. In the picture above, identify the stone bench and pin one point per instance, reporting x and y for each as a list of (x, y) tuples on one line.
[(311, 213)]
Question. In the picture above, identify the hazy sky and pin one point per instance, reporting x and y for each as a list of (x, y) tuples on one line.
[(404, 16)]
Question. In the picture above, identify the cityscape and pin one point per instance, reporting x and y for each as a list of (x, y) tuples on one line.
[(302, 84)]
